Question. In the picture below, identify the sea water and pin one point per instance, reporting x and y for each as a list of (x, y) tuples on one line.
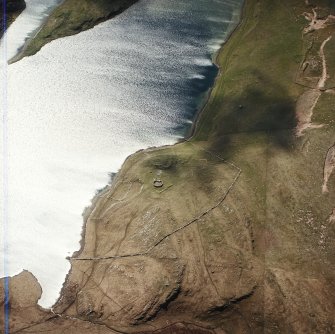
[(79, 107)]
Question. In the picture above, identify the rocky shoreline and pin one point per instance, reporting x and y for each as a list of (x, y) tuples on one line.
[(239, 239)]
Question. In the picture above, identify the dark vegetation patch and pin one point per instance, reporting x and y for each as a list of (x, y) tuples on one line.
[(255, 111), (9, 12), (255, 92), (164, 162)]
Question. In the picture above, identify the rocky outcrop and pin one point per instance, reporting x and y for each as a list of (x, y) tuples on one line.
[(20, 304)]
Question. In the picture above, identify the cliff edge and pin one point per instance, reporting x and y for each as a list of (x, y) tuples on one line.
[(70, 18), (238, 236)]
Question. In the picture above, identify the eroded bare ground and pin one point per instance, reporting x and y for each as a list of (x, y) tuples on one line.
[(304, 110), (328, 168), (238, 240), (332, 217), (316, 22), (308, 100)]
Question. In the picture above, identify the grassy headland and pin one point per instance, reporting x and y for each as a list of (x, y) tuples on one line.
[(240, 237), (244, 192), (242, 206), (72, 17)]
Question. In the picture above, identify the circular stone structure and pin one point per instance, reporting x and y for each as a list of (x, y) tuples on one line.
[(158, 183)]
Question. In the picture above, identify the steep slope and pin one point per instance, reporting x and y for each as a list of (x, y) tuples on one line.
[(238, 239), (72, 17)]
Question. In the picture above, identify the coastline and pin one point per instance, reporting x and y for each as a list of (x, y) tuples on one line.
[(202, 109), (34, 33), (97, 20), (87, 212), (148, 261)]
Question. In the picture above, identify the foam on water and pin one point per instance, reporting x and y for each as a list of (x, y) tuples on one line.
[(81, 105)]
